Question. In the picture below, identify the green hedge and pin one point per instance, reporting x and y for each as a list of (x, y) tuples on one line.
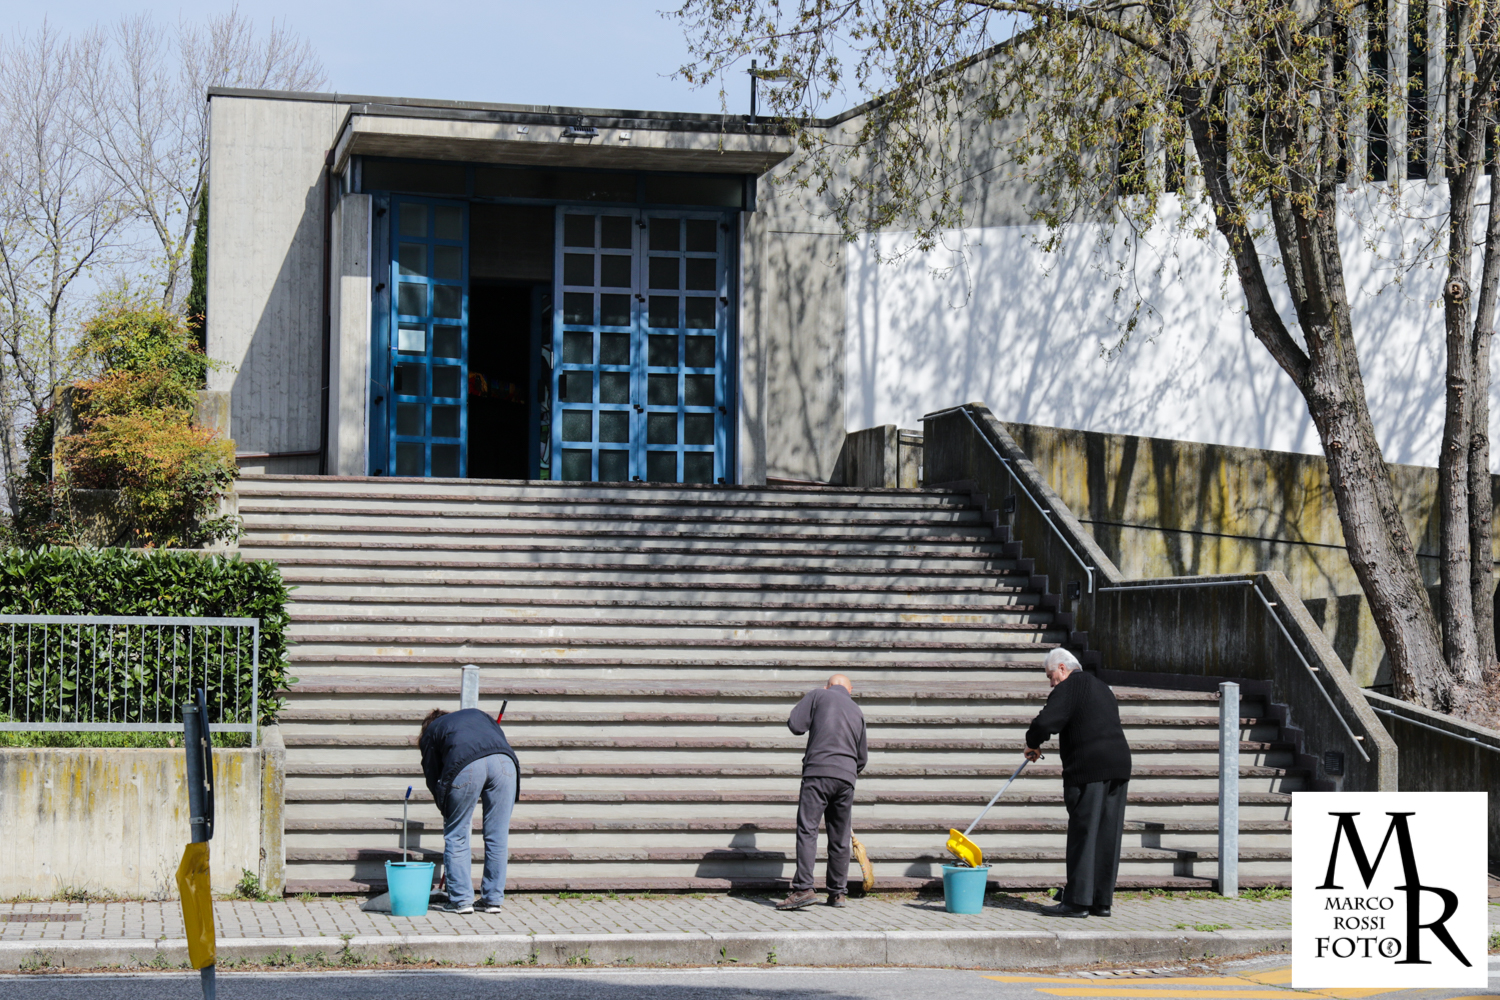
[(67, 581)]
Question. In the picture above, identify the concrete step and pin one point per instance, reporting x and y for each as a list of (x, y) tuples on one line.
[(651, 639), (958, 528), (761, 776), (939, 809), (385, 584), (997, 630), (360, 533), (720, 555), (1007, 686), (920, 860), (310, 603), (653, 885), (368, 488)]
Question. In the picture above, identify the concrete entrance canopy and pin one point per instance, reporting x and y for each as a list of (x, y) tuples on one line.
[(524, 135)]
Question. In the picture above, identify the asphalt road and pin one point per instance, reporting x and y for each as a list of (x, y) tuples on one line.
[(683, 984)]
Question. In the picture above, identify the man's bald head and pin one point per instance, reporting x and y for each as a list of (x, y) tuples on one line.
[(839, 680)]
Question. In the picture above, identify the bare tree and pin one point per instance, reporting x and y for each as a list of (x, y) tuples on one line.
[(1276, 101), (59, 219), (145, 117)]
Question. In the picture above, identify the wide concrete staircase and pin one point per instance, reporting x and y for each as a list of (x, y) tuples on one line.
[(651, 640)]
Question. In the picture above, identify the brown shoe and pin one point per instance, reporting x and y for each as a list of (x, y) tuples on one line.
[(798, 899), (838, 899)]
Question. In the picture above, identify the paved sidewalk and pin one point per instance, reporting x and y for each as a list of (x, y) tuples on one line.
[(570, 929), (679, 930)]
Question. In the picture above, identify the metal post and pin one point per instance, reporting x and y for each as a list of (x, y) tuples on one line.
[(468, 690), (1229, 789), (200, 815)]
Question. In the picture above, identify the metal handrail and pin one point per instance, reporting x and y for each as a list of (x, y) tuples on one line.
[(1046, 512), (1270, 610), (1437, 729)]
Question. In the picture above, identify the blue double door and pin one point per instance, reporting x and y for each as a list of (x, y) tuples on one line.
[(635, 371), (641, 347)]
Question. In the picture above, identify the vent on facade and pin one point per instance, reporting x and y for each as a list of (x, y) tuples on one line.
[(1333, 763), (1008, 505)]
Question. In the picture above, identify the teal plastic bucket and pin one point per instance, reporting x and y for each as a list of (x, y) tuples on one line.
[(410, 886), (963, 888)]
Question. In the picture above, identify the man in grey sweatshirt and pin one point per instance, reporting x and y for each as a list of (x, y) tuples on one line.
[(836, 753)]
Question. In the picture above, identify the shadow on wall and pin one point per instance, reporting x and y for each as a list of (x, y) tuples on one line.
[(277, 389), (1162, 508), (990, 316), (803, 334)]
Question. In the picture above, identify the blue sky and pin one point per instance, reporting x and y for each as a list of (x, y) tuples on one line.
[(585, 53)]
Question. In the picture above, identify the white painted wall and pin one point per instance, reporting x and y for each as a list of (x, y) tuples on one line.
[(991, 317)]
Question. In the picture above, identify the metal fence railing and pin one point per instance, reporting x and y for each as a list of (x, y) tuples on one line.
[(96, 673)]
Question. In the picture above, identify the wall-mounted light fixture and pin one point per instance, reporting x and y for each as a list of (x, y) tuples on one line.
[(1008, 505), (580, 131)]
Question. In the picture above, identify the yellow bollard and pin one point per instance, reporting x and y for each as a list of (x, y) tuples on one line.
[(197, 905)]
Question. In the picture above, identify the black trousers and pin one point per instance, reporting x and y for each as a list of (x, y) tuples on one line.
[(1096, 824), (832, 801)]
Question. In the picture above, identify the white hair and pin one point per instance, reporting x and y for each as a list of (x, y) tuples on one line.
[(1063, 658)]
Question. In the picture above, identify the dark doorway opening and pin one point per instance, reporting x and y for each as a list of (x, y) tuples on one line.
[(510, 290)]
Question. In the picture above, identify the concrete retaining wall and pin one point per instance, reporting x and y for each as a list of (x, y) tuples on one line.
[(1163, 508), (881, 457), (114, 822), (1442, 754)]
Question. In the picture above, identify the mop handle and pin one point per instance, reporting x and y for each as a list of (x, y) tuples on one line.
[(404, 855), (997, 796)]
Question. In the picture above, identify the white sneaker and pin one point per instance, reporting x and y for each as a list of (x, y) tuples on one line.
[(491, 908), (454, 908)]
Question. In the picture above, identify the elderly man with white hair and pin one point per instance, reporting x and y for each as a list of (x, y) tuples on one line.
[(1095, 772)]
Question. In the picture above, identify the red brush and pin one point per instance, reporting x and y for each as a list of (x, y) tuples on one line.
[(501, 714)]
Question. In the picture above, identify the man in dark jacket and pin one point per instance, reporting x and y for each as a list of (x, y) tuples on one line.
[(1096, 773), (836, 753), (466, 759)]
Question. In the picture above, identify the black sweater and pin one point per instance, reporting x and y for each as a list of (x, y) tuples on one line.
[(455, 741), (1083, 709), (836, 746)]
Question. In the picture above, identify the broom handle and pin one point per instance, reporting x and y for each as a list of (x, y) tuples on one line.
[(1001, 792)]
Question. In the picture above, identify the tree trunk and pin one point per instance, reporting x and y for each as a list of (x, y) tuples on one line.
[(1328, 376), (1454, 563)]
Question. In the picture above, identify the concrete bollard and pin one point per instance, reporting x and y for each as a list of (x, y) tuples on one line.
[(1229, 789), (468, 690)]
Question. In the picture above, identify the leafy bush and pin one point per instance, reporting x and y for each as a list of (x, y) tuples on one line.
[(135, 431), (64, 581)]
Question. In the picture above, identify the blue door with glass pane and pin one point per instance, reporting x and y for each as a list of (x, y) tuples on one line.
[(429, 337), (641, 343)]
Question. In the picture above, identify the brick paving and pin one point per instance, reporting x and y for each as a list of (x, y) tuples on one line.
[(549, 914)]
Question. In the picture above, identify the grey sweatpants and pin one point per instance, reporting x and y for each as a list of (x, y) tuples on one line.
[(832, 801), (1096, 825)]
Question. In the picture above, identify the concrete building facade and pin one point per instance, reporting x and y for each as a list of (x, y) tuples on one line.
[(784, 336)]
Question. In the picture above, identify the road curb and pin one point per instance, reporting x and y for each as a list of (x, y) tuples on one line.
[(977, 949)]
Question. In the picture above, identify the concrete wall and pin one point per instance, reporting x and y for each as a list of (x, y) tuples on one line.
[(987, 315), (114, 822), (791, 336), (1442, 754), (1164, 508), (265, 272), (349, 359), (882, 457)]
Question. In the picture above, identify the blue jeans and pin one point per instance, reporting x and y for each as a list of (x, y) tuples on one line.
[(493, 780)]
